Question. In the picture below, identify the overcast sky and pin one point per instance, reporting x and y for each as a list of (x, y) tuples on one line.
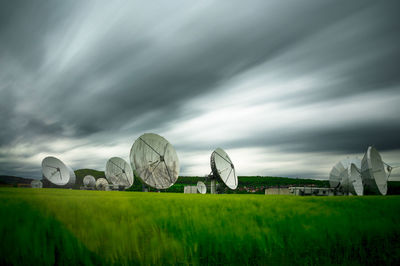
[(287, 88)]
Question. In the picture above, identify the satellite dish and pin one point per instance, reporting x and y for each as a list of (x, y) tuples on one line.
[(154, 161), (201, 187), (55, 171), (101, 184), (119, 172), (351, 181), (373, 173), (223, 168), (338, 171), (36, 184), (89, 181), (354, 174)]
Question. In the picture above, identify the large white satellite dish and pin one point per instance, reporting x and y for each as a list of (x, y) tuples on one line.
[(155, 161), (223, 168), (59, 174), (119, 172), (101, 184), (89, 181), (201, 187), (373, 173), (338, 171)]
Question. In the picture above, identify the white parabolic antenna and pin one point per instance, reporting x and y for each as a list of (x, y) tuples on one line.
[(338, 171), (373, 173), (354, 173), (55, 171), (351, 181), (89, 181), (155, 161), (201, 187), (223, 168), (119, 172), (101, 184)]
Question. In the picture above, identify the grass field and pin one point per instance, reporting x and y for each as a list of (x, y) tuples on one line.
[(67, 227)]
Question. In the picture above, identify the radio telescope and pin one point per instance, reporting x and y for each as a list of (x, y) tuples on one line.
[(351, 181), (55, 171), (223, 169), (355, 179), (89, 181), (201, 187), (101, 184), (154, 161), (337, 172), (373, 173), (119, 172)]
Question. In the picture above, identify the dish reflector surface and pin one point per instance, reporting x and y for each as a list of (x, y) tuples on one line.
[(55, 171), (119, 172), (355, 180), (223, 168), (373, 173), (89, 181), (201, 187), (155, 161)]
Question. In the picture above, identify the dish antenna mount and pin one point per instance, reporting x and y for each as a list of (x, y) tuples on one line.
[(223, 169)]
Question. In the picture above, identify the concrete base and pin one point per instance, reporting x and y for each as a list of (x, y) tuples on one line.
[(213, 189)]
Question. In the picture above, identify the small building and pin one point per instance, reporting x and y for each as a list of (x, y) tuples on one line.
[(190, 190), (312, 191), (36, 184)]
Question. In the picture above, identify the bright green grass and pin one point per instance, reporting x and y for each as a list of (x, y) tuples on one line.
[(47, 226)]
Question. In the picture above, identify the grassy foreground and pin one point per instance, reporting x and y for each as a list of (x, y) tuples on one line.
[(48, 226)]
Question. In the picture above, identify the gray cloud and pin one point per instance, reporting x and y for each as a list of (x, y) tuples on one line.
[(340, 140), (98, 73)]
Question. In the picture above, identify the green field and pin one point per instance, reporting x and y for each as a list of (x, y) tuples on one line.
[(67, 227)]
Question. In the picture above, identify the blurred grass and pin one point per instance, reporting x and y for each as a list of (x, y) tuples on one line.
[(97, 227)]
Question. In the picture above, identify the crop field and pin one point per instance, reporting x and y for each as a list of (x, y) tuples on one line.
[(68, 227)]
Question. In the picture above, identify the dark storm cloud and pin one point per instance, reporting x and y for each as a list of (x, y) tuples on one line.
[(7, 102), (25, 24), (21, 128), (341, 140), (75, 70), (163, 78)]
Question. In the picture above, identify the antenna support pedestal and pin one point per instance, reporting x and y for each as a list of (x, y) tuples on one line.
[(213, 186)]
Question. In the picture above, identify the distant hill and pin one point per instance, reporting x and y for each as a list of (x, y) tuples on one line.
[(81, 173), (13, 180), (393, 188)]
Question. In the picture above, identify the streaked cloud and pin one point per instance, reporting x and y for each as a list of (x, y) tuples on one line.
[(287, 87)]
